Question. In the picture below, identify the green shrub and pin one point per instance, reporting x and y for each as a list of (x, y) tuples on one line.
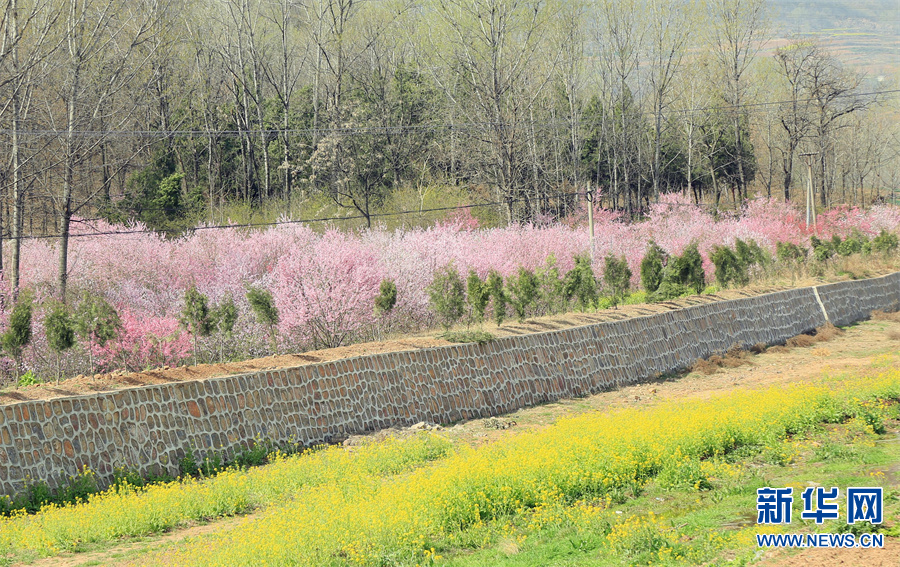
[(60, 332), (652, 267), (823, 249), (196, 316), (479, 337), (124, 476), (885, 243), (685, 270), (266, 312), (38, 494), (729, 267), (18, 333), (387, 297), (637, 298), (212, 464), (523, 291), (96, 322), (79, 488), (789, 252), (552, 295), (497, 295), (617, 277), (477, 296), (751, 254), (852, 245), (225, 315), (581, 283), (669, 290), (256, 455), (27, 379), (447, 296), (59, 328)]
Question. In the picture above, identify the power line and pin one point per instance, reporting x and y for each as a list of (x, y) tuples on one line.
[(330, 219), (285, 222), (461, 127)]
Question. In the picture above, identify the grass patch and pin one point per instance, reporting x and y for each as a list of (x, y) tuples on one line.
[(479, 337), (733, 358)]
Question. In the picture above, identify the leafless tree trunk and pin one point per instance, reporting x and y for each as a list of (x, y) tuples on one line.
[(668, 35), (30, 32), (101, 45), (735, 36)]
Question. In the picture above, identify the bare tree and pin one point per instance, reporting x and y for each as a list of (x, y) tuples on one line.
[(834, 93), (101, 42), (692, 118), (866, 147), (29, 33), (735, 34), (793, 62), (667, 37), (493, 47), (243, 52), (620, 34), (284, 72), (571, 40)]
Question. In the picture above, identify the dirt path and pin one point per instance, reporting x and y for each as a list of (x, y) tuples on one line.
[(863, 346), (137, 546)]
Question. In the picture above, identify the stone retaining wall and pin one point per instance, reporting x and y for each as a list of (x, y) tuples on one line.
[(150, 427)]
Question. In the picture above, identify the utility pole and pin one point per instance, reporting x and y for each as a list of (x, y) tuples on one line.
[(589, 195), (810, 196)]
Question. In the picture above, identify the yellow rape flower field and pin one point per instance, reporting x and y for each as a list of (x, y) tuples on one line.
[(669, 484)]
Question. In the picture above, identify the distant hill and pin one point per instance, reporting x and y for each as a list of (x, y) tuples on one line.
[(864, 33), (823, 14)]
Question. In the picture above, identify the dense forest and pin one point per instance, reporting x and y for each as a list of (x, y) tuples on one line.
[(164, 112)]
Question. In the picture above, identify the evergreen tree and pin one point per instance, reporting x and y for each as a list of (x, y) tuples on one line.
[(18, 334), (60, 331), (266, 312), (96, 322), (617, 277)]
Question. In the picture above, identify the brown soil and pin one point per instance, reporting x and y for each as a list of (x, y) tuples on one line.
[(106, 382), (882, 316)]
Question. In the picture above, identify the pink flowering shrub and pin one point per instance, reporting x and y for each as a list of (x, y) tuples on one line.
[(326, 289), (145, 341), (324, 283)]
